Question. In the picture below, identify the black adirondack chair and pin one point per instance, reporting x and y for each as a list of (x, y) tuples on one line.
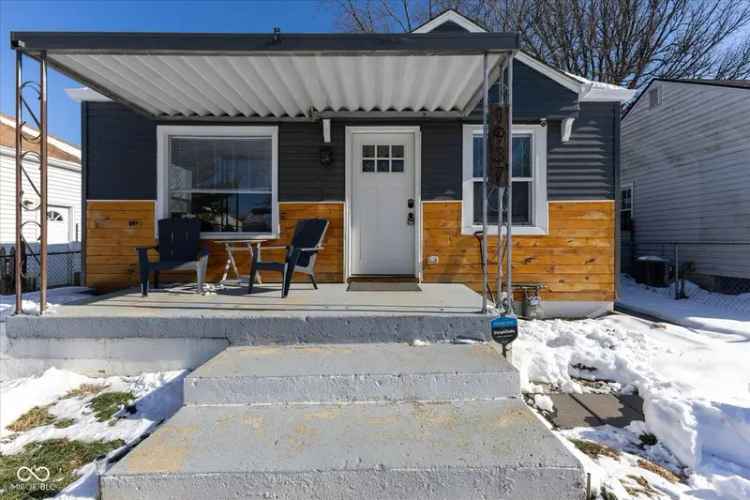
[(179, 249), (300, 254)]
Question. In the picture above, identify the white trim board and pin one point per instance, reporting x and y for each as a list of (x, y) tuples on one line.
[(163, 132), (384, 129), (453, 16)]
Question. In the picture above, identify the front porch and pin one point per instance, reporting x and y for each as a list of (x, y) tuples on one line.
[(329, 314)]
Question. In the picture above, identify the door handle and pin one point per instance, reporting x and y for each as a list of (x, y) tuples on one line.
[(410, 203), (410, 219)]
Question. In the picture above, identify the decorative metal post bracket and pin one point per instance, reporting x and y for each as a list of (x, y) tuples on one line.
[(37, 203)]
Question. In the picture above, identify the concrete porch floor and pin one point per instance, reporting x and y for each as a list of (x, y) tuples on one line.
[(232, 299), (330, 314)]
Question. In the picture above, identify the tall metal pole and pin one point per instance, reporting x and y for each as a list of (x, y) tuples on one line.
[(485, 112), (43, 175), (500, 195), (19, 183), (509, 191)]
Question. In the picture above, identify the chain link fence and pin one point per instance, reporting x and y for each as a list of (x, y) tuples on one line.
[(714, 266), (63, 267)]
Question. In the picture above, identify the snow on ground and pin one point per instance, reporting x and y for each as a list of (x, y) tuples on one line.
[(702, 309), (158, 396), (695, 384), (55, 297)]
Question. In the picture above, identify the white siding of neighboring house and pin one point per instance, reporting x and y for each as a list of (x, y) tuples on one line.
[(689, 161), (64, 190)]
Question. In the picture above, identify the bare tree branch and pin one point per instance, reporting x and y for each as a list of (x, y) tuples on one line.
[(626, 42)]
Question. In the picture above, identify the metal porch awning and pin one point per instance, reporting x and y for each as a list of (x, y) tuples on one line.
[(278, 76), (245, 77)]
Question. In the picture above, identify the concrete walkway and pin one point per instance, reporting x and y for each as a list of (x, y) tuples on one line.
[(591, 410)]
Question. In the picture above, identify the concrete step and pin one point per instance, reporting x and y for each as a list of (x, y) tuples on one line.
[(352, 372), (387, 450)]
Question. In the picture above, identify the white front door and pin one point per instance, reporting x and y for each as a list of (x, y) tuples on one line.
[(383, 204)]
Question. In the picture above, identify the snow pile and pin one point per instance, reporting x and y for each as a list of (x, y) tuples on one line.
[(158, 396), (55, 297), (696, 386), (702, 309)]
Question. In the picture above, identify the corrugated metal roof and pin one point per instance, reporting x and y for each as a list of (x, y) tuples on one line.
[(282, 85)]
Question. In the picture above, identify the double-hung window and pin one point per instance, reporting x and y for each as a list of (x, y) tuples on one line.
[(529, 181), (226, 177)]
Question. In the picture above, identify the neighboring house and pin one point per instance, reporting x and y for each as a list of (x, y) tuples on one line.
[(64, 188), (685, 177), (377, 133)]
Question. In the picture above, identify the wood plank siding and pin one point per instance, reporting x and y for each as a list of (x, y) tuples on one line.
[(575, 261), (116, 228)]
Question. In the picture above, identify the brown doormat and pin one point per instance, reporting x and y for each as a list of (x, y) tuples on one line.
[(388, 286)]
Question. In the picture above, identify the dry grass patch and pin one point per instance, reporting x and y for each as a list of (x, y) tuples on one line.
[(659, 470), (61, 457), (643, 487), (595, 450), (35, 417), (85, 390)]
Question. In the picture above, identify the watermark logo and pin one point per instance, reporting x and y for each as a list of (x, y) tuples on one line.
[(26, 474)]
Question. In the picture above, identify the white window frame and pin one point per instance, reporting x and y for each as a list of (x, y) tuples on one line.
[(164, 132), (539, 207)]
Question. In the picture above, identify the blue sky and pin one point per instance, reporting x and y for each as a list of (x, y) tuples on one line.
[(137, 15)]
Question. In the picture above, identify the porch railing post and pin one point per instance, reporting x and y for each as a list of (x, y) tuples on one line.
[(19, 183), (485, 112)]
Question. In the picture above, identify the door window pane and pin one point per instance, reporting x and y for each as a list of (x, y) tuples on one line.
[(397, 165), (383, 152), (383, 166), (368, 165), (397, 151), (368, 151)]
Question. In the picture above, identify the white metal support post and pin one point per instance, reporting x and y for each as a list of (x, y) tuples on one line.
[(485, 115), (509, 191)]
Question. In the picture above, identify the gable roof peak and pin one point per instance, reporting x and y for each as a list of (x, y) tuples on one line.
[(453, 16)]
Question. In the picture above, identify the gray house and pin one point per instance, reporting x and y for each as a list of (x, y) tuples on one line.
[(685, 178), (359, 113)]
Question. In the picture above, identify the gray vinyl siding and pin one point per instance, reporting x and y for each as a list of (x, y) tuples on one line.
[(120, 150), (442, 170), (535, 96), (689, 162), (583, 168), (448, 27)]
